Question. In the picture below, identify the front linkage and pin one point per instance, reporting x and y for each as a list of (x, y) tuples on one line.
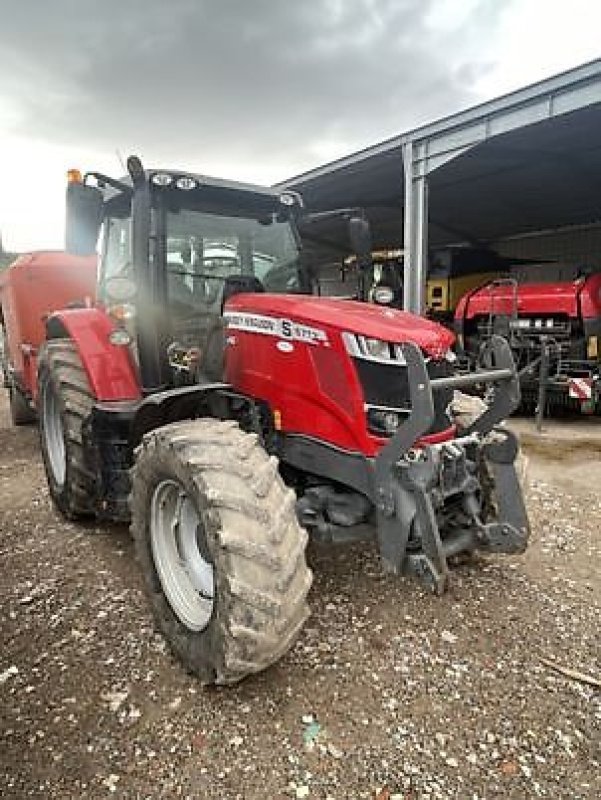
[(439, 500)]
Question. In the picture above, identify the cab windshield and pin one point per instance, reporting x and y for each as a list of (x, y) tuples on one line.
[(203, 249)]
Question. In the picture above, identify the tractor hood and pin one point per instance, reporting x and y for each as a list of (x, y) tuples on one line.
[(328, 314)]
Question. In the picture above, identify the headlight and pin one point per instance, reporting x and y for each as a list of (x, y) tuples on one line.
[(120, 337), (376, 348), (162, 179), (369, 349), (287, 199), (186, 183), (383, 295), (384, 421)]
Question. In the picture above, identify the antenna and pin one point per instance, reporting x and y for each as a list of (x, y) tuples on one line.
[(121, 161)]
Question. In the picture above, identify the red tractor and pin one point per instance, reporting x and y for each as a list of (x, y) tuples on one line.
[(31, 288), (554, 331), (228, 415)]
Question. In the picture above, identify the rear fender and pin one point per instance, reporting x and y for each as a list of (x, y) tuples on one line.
[(110, 368)]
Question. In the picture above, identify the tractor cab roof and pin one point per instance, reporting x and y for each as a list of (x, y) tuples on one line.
[(192, 189)]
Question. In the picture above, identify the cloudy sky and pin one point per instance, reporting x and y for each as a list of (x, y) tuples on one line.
[(252, 89)]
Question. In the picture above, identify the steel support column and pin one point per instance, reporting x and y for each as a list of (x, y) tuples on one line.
[(415, 230)]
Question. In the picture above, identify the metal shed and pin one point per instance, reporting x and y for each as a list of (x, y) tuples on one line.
[(527, 161)]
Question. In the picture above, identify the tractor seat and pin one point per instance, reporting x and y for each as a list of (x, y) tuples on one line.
[(240, 284)]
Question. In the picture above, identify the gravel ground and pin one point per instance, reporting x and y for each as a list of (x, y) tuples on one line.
[(387, 687)]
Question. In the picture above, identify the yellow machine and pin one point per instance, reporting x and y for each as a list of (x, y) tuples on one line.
[(453, 271), (444, 292)]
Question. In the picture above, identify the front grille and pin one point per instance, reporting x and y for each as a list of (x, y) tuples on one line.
[(386, 386)]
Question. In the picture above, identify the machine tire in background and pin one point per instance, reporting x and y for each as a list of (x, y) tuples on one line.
[(21, 413), (222, 552), (65, 400), (4, 353)]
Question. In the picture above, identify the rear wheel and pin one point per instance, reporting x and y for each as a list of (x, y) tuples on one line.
[(65, 401), (220, 546)]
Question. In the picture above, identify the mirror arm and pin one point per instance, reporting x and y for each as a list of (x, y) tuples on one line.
[(332, 213), (102, 179)]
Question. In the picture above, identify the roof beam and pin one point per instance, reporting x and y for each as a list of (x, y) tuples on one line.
[(560, 94)]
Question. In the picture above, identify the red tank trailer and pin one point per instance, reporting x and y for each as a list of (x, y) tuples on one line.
[(32, 288)]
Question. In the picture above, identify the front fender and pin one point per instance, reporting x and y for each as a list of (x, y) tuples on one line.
[(110, 368)]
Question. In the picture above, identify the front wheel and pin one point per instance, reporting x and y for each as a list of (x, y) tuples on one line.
[(221, 550)]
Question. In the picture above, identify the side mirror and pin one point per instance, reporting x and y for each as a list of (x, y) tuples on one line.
[(85, 205)]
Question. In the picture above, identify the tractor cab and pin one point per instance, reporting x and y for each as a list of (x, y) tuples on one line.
[(174, 247)]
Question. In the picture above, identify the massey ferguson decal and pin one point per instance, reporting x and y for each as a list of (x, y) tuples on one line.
[(272, 326)]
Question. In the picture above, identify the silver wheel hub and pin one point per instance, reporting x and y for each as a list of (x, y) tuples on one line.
[(186, 577), (54, 435)]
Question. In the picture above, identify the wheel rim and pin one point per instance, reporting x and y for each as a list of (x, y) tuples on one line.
[(186, 577), (54, 436)]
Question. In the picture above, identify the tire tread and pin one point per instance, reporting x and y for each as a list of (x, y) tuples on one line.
[(256, 542), (61, 362)]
